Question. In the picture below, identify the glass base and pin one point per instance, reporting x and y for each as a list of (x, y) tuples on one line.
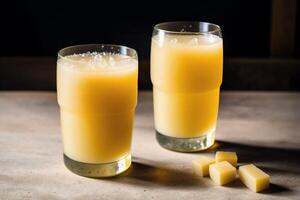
[(98, 170), (186, 144)]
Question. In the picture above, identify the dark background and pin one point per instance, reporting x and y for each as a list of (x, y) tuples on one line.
[(261, 38), (41, 28)]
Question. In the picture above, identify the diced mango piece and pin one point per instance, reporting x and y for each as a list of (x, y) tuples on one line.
[(230, 157), (201, 165), (254, 178), (222, 172)]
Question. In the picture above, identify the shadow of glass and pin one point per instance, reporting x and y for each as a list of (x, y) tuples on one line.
[(144, 174), (141, 173)]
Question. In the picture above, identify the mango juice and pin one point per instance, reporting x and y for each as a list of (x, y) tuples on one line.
[(186, 72), (97, 94)]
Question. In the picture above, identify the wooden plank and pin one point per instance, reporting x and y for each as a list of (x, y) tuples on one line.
[(39, 73), (283, 28)]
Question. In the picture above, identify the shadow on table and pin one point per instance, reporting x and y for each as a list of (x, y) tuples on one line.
[(275, 189), (259, 154), (141, 173), (273, 160)]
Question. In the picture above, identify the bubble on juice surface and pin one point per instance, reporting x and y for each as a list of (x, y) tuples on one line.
[(213, 39), (200, 40), (194, 41), (174, 41), (209, 39), (111, 61), (103, 60), (94, 61)]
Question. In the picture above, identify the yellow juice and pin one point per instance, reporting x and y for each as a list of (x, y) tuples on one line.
[(97, 94), (186, 72)]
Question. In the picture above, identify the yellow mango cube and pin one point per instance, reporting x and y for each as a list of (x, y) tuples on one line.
[(230, 157), (201, 164), (254, 178), (222, 172)]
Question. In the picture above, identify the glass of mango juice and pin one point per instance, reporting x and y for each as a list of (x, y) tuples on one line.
[(186, 73), (97, 96)]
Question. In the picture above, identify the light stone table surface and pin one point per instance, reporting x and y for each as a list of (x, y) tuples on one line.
[(262, 127)]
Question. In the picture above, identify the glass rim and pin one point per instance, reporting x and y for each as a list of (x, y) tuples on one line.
[(156, 27), (134, 52)]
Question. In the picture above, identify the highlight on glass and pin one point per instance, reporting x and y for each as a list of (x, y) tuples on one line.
[(97, 95), (186, 73)]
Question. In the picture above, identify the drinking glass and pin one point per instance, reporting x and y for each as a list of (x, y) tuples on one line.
[(97, 95), (186, 73)]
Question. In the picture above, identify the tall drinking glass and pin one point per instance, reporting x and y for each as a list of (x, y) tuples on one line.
[(186, 73), (97, 95)]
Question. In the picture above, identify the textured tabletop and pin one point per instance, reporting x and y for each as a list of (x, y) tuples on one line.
[(262, 127)]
